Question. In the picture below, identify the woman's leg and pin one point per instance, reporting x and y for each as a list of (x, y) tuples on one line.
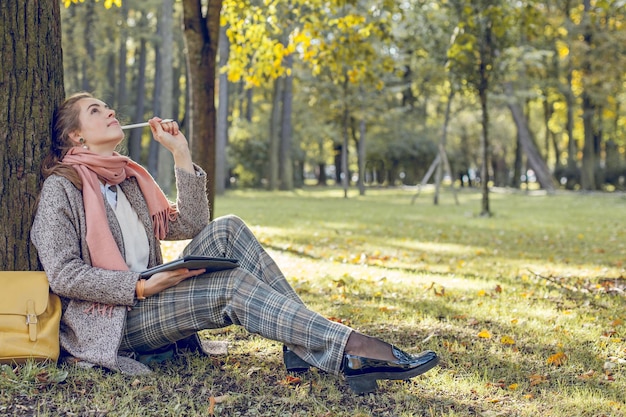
[(230, 237), (235, 296)]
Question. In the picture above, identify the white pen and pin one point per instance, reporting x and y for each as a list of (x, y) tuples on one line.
[(144, 124)]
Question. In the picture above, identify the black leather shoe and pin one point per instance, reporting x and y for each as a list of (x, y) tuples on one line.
[(294, 363), (362, 374)]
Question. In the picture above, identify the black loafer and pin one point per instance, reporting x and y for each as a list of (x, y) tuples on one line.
[(294, 363), (362, 374)]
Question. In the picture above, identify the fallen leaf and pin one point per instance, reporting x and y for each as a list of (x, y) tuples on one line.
[(484, 334), (253, 370), (587, 375), (212, 406), (507, 340), (291, 380), (536, 379), (557, 359)]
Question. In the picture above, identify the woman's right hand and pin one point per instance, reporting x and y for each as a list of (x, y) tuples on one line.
[(169, 135), (164, 280)]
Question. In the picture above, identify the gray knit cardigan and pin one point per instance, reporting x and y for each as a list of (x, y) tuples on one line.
[(95, 301)]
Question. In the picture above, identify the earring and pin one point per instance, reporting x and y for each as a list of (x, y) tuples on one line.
[(82, 142)]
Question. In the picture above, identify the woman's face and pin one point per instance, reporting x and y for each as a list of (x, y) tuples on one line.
[(99, 128)]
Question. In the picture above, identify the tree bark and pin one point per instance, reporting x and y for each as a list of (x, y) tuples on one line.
[(31, 86), (201, 37)]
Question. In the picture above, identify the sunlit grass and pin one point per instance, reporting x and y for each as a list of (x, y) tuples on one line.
[(514, 304)]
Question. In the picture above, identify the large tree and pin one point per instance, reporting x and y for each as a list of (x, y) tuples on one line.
[(31, 86)]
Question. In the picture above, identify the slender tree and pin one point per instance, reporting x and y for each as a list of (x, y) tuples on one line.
[(166, 99), (201, 28)]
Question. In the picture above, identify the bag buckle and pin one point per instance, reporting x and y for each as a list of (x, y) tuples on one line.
[(31, 321)]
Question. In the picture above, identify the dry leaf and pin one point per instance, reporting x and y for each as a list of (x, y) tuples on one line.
[(291, 380), (212, 406), (587, 375), (537, 379), (557, 359), (253, 370)]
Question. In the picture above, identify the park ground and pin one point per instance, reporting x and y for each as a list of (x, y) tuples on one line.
[(526, 309)]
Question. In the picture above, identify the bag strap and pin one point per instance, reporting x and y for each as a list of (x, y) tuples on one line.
[(31, 320)]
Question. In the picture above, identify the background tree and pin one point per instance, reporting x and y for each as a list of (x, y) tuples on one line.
[(202, 26)]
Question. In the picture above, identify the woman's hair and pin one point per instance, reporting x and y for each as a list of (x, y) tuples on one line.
[(66, 120)]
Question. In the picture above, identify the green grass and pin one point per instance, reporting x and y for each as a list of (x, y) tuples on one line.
[(525, 308)]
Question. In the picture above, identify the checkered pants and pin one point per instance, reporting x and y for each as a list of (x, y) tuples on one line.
[(256, 296)]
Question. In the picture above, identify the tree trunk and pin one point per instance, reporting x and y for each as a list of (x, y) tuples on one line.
[(32, 87), (134, 141), (166, 96), (486, 153), (587, 177), (90, 58), (72, 60), (345, 174), (486, 52), (153, 145), (274, 134), (361, 156), (587, 172), (201, 36), (122, 68), (533, 156), (285, 165), (221, 137), (517, 163)]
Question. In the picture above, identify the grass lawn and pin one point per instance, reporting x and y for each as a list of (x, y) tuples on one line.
[(527, 310)]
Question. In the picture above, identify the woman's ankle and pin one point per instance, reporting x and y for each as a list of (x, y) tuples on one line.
[(368, 347)]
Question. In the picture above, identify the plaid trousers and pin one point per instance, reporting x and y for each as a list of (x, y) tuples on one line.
[(255, 295)]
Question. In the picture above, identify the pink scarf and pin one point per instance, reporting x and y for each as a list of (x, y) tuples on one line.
[(114, 169)]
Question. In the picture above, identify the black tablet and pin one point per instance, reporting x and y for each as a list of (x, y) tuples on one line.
[(193, 262)]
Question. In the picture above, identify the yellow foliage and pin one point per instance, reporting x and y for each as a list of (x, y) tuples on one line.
[(67, 3), (107, 3)]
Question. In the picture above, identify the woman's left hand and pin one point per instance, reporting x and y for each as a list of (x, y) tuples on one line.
[(169, 135)]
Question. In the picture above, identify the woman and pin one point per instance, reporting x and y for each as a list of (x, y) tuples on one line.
[(98, 225)]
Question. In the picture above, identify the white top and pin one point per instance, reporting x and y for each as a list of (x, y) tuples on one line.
[(136, 243)]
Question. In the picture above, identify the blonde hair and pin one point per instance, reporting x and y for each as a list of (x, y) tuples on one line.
[(66, 119)]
